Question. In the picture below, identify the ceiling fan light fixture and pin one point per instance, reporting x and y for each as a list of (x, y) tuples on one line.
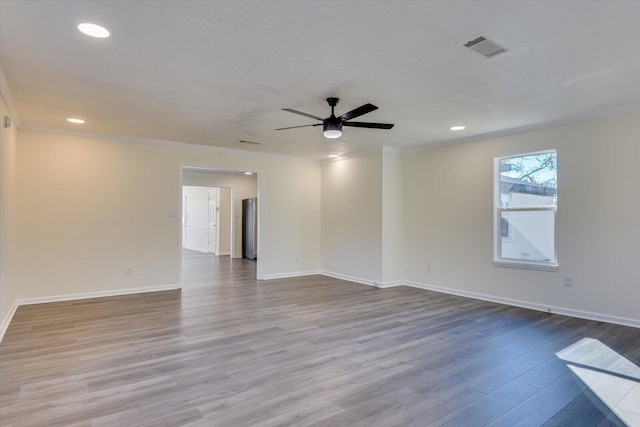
[(332, 133), (332, 130)]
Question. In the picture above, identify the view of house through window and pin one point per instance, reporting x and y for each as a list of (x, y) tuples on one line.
[(525, 209)]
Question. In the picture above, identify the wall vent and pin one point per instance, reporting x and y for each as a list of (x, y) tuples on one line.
[(249, 142), (485, 46)]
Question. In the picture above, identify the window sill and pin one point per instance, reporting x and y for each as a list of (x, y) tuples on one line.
[(526, 265)]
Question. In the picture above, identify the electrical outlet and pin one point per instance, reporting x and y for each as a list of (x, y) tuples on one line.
[(298, 258), (567, 280), (428, 268), (129, 271)]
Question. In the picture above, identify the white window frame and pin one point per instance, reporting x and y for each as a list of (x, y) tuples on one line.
[(497, 225)]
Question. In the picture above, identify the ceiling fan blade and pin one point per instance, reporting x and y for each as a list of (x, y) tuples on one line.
[(303, 126), (368, 125), (302, 114), (363, 109)]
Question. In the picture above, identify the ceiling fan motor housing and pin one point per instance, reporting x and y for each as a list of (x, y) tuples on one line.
[(332, 123)]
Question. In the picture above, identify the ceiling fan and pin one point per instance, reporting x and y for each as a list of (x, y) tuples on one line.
[(332, 125)]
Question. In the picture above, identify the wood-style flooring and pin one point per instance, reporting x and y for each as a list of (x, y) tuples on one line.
[(228, 350), (203, 269)]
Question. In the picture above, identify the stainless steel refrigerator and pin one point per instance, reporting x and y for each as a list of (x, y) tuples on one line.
[(250, 228)]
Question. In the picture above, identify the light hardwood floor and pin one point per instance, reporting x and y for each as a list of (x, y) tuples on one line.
[(232, 351)]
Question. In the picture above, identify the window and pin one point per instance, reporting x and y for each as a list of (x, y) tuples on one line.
[(525, 209)]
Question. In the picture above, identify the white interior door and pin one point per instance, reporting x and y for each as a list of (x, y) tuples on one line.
[(196, 218)]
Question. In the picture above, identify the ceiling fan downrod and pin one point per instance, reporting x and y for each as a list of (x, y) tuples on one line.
[(332, 126)]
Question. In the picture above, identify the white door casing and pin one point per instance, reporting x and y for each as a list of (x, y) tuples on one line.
[(214, 211)]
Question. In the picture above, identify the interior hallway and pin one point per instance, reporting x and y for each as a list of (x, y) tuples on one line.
[(201, 269)]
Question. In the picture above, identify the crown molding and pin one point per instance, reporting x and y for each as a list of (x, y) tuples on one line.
[(592, 115), (160, 142), (5, 91)]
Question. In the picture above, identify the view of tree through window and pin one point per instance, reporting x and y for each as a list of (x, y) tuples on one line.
[(526, 209), (535, 168)]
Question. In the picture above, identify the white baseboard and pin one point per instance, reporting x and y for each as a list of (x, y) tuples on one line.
[(70, 297), (292, 274), (223, 254), (351, 278), (336, 276), (7, 319), (530, 305), (369, 282), (98, 294), (391, 284)]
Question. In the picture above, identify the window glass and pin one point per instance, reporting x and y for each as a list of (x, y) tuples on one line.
[(528, 180), (530, 236), (525, 210)]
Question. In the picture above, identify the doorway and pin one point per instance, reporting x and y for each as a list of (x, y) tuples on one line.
[(211, 240)]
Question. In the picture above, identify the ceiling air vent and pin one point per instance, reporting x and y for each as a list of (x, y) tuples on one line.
[(249, 142), (485, 47)]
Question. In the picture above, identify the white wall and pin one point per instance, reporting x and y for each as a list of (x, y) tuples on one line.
[(352, 218), (362, 218), (392, 217), (243, 186), (298, 208), (88, 208), (8, 280), (448, 219)]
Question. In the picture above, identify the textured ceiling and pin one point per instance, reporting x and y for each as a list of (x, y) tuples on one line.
[(216, 72)]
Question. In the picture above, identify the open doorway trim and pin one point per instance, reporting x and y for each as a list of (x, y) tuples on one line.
[(259, 174)]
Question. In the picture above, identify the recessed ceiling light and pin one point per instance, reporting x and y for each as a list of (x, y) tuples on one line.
[(458, 128), (93, 30), (333, 156), (248, 173), (77, 121)]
